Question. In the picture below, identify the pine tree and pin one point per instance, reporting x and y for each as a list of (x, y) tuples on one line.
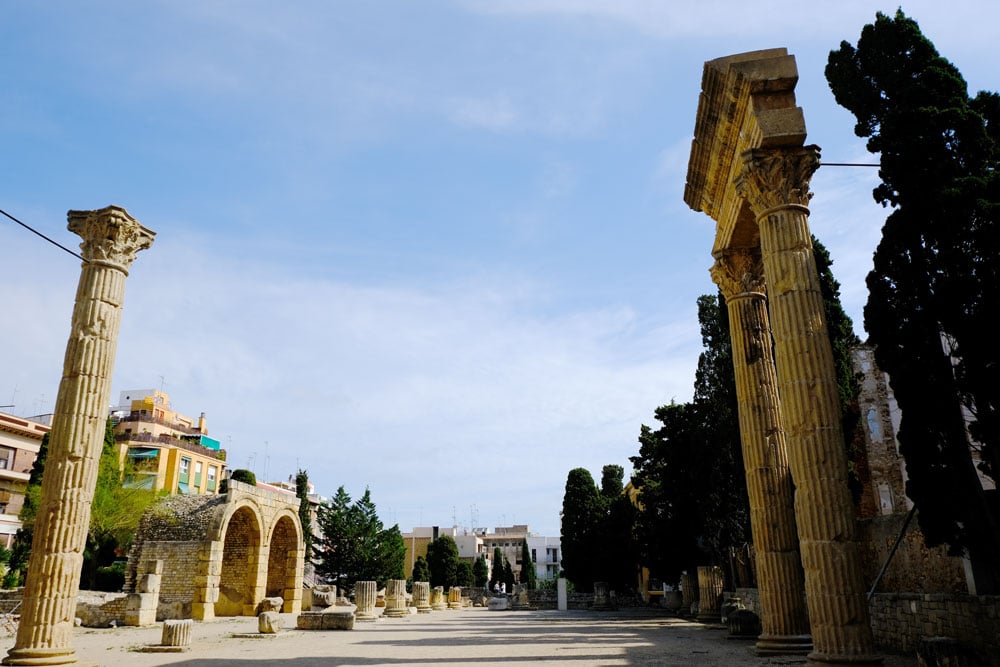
[(932, 291)]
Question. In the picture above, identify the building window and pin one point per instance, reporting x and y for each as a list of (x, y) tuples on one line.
[(211, 473), (185, 465), (6, 458)]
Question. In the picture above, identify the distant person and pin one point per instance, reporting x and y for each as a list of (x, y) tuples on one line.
[(503, 589), (496, 589)]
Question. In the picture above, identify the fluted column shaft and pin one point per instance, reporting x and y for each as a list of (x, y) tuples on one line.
[(364, 600), (784, 621), (710, 584), (111, 239), (422, 596), (776, 185)]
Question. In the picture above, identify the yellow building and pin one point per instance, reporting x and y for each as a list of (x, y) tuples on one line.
[(162, 449)]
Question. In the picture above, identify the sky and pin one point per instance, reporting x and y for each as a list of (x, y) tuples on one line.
[(435, 249)]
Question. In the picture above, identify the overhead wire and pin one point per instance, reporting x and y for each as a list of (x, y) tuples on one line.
[(38, 233)]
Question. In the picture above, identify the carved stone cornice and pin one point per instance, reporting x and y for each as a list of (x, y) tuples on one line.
[(111, 237), (776, 178), (739, 274)]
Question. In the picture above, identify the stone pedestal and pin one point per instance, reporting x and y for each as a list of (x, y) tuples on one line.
[(177, 632), (395, 599), (602, 597), (710, 584), (562, 595), (422, 597), (364, 600), (454, 597), (438, 600), (111, 240)]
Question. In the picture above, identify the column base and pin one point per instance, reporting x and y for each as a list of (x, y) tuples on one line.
[(783, 645), (816, 658), (44, 656)]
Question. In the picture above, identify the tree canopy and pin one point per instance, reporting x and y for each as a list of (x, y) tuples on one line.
[(933, 289), (442, 558), (354, 545)]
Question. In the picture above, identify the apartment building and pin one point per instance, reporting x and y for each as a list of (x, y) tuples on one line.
[(162, 449)]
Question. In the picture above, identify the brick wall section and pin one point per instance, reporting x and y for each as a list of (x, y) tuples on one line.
[(914, 568), (901, 620)]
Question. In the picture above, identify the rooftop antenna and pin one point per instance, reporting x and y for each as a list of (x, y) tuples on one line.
[(265, 461), (162, 382), (454, 519)]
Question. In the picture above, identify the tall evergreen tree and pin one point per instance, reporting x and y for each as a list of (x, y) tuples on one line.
[(480, 572), (528, 575), (463, 574), (354, 545), (932, 291), (496, 574), (421, 572), (690, 471), (442, 558), (581, 516), (305, 509)]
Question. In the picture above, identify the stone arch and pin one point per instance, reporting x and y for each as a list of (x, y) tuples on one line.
[(241, 550), (216, 552), (283, 556)]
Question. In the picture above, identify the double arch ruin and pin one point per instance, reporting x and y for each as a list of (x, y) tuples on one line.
[(221, 555)]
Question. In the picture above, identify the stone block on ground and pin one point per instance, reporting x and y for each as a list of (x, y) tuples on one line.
[(335, 618), (269, 622)]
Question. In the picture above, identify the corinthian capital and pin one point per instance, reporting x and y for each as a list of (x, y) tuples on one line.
[(777, 177), (739, 273), (110, 236)]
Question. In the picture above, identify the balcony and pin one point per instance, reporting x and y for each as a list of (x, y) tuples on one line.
[(164, 440), (146, 417)]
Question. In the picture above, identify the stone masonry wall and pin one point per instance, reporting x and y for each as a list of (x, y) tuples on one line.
[(180, 565), (914, 568), (901, 620)]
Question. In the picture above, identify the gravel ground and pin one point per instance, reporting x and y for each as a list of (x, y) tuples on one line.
[(456, 638)]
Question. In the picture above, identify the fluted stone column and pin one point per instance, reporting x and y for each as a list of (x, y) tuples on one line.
[(438, 601), (784, 620), (689, 590), (710, 585), (422, 597), (602, 598), (364, 600), (775, 182), (455, 597), (395, 599), (111, 240)]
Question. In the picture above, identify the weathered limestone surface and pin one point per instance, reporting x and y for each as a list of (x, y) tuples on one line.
[(785, 622), (141, 607), (111, 240), (710, 584), (438, 601), (364, 598), (269, 622), (749, 133), (455, 597), (395, 599), (422, 597), (223, 555), (332, 618)]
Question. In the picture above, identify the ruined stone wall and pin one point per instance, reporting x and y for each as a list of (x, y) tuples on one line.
[(901, 620), (180, 565), (914, 568)]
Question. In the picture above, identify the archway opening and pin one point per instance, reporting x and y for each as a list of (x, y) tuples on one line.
[(281, 558), (240, 556)]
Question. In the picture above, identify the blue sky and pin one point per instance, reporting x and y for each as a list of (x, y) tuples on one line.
[(438, 249)]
